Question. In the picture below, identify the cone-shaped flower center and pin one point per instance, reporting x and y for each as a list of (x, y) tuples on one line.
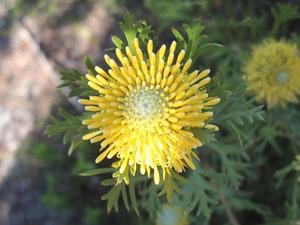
[(144, 104)]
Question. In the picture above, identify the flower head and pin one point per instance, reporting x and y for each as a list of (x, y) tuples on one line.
[(145, 109), (273, 73)]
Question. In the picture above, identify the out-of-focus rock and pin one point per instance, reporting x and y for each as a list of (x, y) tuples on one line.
[(68, 42), (30, 54), (4, 6), (27, 78), (27, 91)]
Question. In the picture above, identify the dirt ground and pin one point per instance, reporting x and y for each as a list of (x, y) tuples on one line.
[(32, 49)]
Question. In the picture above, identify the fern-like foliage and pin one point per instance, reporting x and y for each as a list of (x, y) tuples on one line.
[(76, 81), (71, 128), (289, 177), (194, 41), (282, 14), (225, 159), (70, 125), (132, 28), (199, 193)]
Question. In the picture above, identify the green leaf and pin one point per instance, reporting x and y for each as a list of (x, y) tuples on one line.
[(90, 65), (235, 107), (133, 197), (145, 32), (125, 199), (133, 28), (169, 12), (283, 13), (207, 48), (232, 161), (71, 126), (70, 75), (180, 39), (97, 172), (129, 27), (241, 202), (199, 194), (283, 173), (75, 142), (108, 182), (112, 197), (204, 135), (193, 41), (255, 26), (118, 42), (77, 82)]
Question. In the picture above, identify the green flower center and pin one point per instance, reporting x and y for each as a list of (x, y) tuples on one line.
[(282, 77), (145, 104)]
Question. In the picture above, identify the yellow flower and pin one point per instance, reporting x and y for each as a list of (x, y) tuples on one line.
[(172, 215), (145, 109), (273, 73)]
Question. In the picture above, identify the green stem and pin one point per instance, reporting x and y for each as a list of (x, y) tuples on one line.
[(228, 211)]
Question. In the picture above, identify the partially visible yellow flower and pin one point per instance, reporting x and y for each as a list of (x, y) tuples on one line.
[(145, 110), (273, 73), (172, 215)]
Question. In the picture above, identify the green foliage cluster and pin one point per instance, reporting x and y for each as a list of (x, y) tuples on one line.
[(260, 163), (59, 174), (223, 160), (71, 195), (247, 171), (55, 12)]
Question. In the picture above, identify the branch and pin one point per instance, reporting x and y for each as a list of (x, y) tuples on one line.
[(229, 213)]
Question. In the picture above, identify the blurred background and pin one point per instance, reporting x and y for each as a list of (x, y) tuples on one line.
[(39, 184), (37, 39)]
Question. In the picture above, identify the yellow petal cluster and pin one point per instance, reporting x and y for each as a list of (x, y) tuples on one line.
[(146, 106), (273, 73)]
